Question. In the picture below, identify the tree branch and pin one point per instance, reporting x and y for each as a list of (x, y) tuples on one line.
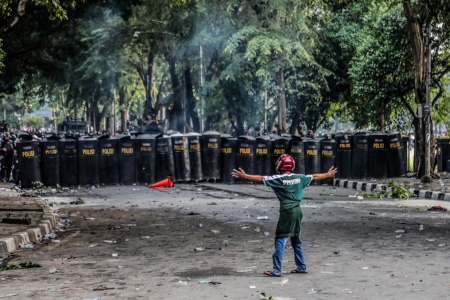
[(410, 109), (19, 13)]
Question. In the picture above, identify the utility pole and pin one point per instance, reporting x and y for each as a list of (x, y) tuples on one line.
[(265, 109), (427, 110), (200, 89)]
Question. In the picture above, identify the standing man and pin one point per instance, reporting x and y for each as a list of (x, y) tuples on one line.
[(7, 151), (288, 188)]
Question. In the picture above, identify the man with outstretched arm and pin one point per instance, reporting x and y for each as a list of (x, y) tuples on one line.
[(288, 188)]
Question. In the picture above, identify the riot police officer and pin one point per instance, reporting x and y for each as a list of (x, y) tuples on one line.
[(152, 127), (7, 151)]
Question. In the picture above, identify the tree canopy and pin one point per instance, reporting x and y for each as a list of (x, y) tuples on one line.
[(208, 65)]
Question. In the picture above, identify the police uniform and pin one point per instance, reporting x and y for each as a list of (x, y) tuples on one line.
[(7, 151)]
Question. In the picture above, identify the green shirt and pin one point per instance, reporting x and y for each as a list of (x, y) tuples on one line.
[(288, 188)]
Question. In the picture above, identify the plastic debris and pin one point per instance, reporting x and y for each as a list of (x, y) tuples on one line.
[(89, 218), (52, 270), (263, 218), (421, 227), (215, 231), (182, 283), (265, 233), (49, 236), (284, 281), (247, 269), (312, 291), (203, 281), (199, 249), (400, 231), (115, 254), (200, 225), (109, 241), (437, 208), (102, 288)]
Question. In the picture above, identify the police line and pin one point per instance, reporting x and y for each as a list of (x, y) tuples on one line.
[(146, 158)]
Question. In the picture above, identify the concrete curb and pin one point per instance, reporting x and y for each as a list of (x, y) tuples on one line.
[(11, 243), (370, 187)]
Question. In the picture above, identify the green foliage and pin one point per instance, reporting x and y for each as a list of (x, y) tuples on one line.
[(57, 9), (33, 121), (350, 59), (393, 190), (24, 265), (372, 39), (398, 190), (376, 195), (77, 202), (264, 297)]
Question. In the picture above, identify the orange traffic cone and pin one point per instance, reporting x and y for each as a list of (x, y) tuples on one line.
[(163, 183)]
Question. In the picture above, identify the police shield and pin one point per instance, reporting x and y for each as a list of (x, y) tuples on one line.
[(50, 160), (181, 157), (245, 155), (145, 158), (327, 158), (344, 155), (164, 158), (228, 144), (88, 161), (211, 154), (68, 161), (195, 155), (279, 147), (396, 157), (108, 161), (378, 153), (312, 157), (127, 159), (297, 151), (263, 159), (360, 155), (28, 155)]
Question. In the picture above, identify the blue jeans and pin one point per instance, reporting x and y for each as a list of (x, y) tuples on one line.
[(277, 255)]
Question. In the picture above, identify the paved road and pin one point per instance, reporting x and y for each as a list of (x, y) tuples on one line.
[(351, 246)]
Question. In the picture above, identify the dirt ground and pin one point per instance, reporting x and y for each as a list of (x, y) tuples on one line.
[(160, 251)]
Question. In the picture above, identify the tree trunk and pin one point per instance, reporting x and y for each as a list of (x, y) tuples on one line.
[(191, 112), (123, 114), (240, 126), (418, 48), (294, 126), (176, 118), (148, 82), (281, 102)]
